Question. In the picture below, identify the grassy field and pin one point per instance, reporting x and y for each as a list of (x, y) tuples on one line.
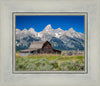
[(49, 62)]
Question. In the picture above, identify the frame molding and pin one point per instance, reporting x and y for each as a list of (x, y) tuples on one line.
[(85, 14)]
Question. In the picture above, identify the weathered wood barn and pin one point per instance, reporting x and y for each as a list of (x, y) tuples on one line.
[(39, 47)]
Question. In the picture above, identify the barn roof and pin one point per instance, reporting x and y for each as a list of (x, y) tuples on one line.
[(37, 44), (30, 49), (34, 46)]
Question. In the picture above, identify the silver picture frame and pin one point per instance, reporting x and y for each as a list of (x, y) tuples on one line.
[(9, 78)]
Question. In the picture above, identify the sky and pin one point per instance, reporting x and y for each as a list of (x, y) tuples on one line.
[(40, 22)]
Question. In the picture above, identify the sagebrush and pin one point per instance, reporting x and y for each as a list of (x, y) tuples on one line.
[(53, 63)]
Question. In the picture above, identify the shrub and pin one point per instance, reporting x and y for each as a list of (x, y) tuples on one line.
[(71, 66), (77, 65), (63, 66), (54, 63), (70, 53)]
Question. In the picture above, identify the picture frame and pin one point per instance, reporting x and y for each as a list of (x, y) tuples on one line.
[(8, 78), (14, 14)]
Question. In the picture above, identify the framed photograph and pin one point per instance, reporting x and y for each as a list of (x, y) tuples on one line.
[(49, 43)]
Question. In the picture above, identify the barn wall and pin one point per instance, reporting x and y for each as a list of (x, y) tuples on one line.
[(47, 48), (57, 51), (38, 51)]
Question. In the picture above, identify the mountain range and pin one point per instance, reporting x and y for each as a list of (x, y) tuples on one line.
[(60, 39)]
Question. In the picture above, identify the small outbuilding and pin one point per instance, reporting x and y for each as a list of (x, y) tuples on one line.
[(39, 47)]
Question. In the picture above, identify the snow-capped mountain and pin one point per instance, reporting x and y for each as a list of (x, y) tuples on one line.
[(72, 33), (33, 32), (48, 30), (58, 32), (18, 31), (59, 38)]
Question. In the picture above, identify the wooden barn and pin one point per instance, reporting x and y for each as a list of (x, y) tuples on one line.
[(39, 47)]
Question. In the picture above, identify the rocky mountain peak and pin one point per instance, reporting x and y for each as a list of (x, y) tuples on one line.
[(24, 29), (32, 30), (59, 29), (71, 30), (18, 31), (48, 27)]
